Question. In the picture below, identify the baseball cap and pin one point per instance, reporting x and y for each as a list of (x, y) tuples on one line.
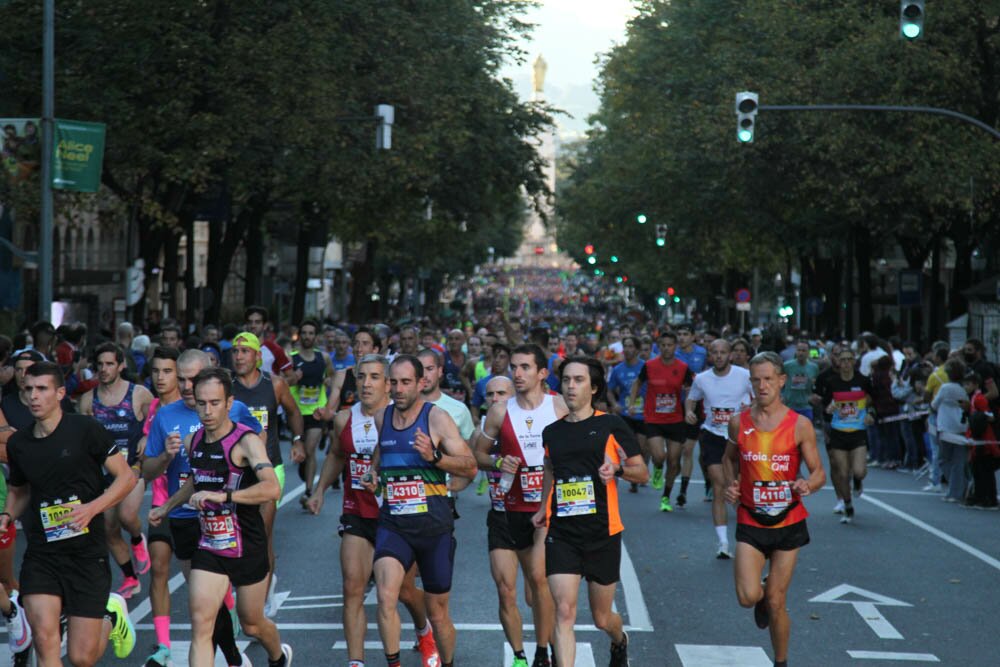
[(28, 355), (755, 331), (247, 339)]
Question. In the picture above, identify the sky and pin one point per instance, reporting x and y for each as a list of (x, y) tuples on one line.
[(570, 34)]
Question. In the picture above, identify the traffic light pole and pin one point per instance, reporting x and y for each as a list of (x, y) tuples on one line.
[(881, 107)]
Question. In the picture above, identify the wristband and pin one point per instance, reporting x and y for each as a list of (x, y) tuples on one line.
[(229, 496), (296, 438), (497, 462)]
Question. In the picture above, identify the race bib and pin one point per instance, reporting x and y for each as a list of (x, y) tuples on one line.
[(218, 530), (182, 478), (575, 497), (799, 382), (637, 405), (721, 416), (360, 464), (55, 520), (260, 414), (309, 395), (531, 483), (771, 498), (406, 496), (666, 403)]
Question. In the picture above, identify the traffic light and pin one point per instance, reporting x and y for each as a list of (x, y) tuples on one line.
[(786, 311), (661, 235), (746, 116), (614, 259), (591, 260), (671, 291), (677, 299), (589, 248), (641, 218), (911, 19), (661, 301)]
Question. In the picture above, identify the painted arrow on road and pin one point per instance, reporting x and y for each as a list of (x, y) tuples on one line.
[(866, 607)]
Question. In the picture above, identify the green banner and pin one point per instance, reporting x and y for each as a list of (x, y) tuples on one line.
[(78, 155)]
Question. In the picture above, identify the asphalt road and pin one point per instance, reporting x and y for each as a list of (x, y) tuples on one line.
[(912, 581)]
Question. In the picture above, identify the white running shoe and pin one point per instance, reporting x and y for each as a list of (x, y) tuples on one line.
[(839, 507), (18, 630), (722, 553)]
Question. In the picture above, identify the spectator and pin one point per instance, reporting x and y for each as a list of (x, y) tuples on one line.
[(950, 405), (886, 407), (984, 459)]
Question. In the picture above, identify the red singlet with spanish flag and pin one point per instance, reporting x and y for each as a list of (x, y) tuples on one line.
[(769, 464)]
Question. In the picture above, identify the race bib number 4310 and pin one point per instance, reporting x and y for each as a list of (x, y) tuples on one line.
[(406, 497)]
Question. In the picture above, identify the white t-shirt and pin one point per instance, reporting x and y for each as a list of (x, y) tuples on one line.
[(724, 396)]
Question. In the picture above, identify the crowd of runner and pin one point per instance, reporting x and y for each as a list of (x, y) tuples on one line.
[(544, 412)]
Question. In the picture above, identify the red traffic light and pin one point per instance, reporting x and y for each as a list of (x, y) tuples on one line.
[(589, 248), (670, 291)]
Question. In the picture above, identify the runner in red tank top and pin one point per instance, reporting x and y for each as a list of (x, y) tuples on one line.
[(353, 447), (766, 445)]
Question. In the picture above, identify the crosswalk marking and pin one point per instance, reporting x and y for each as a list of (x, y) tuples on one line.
[(584, 654), (893, 655), (179, 653), (707, 655)]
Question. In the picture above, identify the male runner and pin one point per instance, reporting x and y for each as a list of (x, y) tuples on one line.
[(313, 372), (665, 378), (512, 538), (454, 360), (168, 466), (694, 356), (231, 477), (801, 374), (170, 336), (767, 444), (847, 397), (418, 445), (726, 391), (499, 367), (58, 490), (340, 354), (121, 407), (433, 392), (273, 357), (584, 453), (353, 445), (263, 392), (623, 376)]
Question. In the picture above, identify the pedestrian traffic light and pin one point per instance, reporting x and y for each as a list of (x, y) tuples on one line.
[(661, 235), (677, 299), (589, 248), (746, 116), (614, 259), (641, 218), (591, 260), (911, 19), (661, 301), (786, 311)]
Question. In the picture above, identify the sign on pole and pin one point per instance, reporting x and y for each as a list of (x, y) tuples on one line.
[(78, 156), (742, 295)]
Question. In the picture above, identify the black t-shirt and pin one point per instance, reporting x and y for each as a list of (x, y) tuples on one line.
[(839, 389), (61, 468), (17, 414), (576, 450)]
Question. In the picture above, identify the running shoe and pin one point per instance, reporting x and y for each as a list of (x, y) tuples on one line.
[(948, 499), (18, 630), (933, 488), (619, 652), (141, 553), (160, 657), (848, 515), (122, 632), (130, 586), (429, 651), (761, 614), (682, 499), (519, 662), (839, 507), (286, 651), (23, 659), (482, 485), (541, 658), (722, 553), (657, 482), (665, 505), (633, 488), (246, 661)]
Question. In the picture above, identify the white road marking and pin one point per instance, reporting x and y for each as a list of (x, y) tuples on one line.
[(584, 654), (323, 605), (143, 608), (369, 646), (314, 597), (471, 627), (638, 614), (179, 653), (866, 607), (954, 541), (889, 655), (694, 655)]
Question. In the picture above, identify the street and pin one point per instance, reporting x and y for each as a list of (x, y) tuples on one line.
[(907, 583)]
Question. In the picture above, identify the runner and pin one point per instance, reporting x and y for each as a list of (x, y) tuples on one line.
[(623, 376), (273, 357), (665, 378), (767, 444), (353, 446), (512, 538), (695, 357), (454, 360), (801, 374), (344, 393), (121, 407), (418, 445), (847, 397), (499, 367), (231, 477), (726, 391), (167, 466), (57, 489), (584, 453), (263, 393), (313, 376), (340, 351)]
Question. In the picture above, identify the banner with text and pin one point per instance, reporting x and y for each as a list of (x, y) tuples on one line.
[(79, 156)]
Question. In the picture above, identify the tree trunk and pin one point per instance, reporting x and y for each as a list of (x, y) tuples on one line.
[(252, 292), (301, 271), (361, 274), (863, 263)]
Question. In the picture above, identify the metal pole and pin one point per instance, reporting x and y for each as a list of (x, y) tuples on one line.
[(882, 107), (45, 263)]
